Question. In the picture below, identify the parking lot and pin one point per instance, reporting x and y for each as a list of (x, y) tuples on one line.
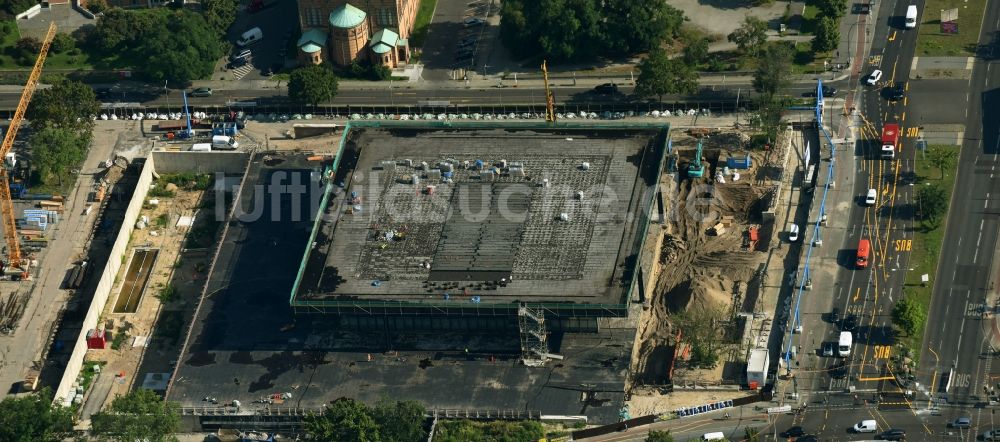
[(463, 37), (277, 21)]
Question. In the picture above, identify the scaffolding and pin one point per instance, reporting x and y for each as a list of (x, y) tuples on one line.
[(531, 324)]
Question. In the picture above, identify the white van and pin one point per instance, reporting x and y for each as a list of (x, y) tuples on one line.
[(250, 37), (224, 142), (717, 435), (201, 147), (911, 17), (866, 426), (844, 346)]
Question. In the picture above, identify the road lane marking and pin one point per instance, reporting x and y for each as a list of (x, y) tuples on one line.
[(893, 36)]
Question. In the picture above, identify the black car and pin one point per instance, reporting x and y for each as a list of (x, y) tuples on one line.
[(606, 88), (102, 93), (795, 431), (828, 91), (850, 323), (897, 92), (807, 438), (835, 316), (893, 434)]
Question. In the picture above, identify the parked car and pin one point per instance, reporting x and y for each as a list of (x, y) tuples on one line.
[(828, 349), (606, 89), (850, 323), (962, 422), (893, 434), (828, 91), (201, 92), (874, 77), (241, 54), (896, 92), (992, 435), (474, 22), (793, 232), (866, 426), (871, 197), (795, 431)]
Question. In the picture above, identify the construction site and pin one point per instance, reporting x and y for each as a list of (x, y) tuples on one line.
[(429, 255)]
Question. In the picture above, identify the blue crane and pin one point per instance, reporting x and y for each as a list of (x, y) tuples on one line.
[(189, 133)]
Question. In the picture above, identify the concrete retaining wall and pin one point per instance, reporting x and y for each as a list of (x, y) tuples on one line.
[(30, 12), (200, 162), (65, 391)]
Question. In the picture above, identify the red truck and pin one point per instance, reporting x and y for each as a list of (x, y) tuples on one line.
[(890, 139)]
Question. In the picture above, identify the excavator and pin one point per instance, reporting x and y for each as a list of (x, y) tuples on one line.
[(696, 169)]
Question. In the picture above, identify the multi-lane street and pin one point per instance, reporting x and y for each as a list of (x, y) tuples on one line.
[(960, 339), (957, 345), (405, 94)]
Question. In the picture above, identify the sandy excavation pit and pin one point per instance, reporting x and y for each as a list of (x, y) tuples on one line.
[(700, 272)]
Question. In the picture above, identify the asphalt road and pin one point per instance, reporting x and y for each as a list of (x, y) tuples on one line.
[(869, 294), (401, 94), (956, 340)]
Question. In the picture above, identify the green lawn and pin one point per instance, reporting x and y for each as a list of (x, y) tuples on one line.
[(809, 19), (423, 21), (930, 40), (926, 246)]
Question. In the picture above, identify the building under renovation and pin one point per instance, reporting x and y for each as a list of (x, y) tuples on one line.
[(486, 271)]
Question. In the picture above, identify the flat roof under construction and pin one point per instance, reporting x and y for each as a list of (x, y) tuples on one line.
[(480, 217), (245, 342)]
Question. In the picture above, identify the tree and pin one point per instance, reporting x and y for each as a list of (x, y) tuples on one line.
[(63, 42), (943, 157), (639, 25), (908, 315), (659, 436), (400, 421), (33, 418), (343, 419), (833, 9), (585, 29), (56, 150), (698, 326), (380, 72), (220, 14), (117, 29), (751, 434), (139, 415), (185, 48), (773, 69), (466, 430), (750, 36), (696, 52), (932, 202), (67, 104), (827, 35), (659, 76), (97, 6), (312, 85)]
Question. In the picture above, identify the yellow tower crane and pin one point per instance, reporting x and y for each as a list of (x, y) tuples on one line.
[(14, 258), (550, 101)]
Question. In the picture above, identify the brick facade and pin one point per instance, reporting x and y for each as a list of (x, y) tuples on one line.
[(397, 15), (347, 45)]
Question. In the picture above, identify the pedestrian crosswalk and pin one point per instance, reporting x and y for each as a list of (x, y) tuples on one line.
[(242, 71)]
